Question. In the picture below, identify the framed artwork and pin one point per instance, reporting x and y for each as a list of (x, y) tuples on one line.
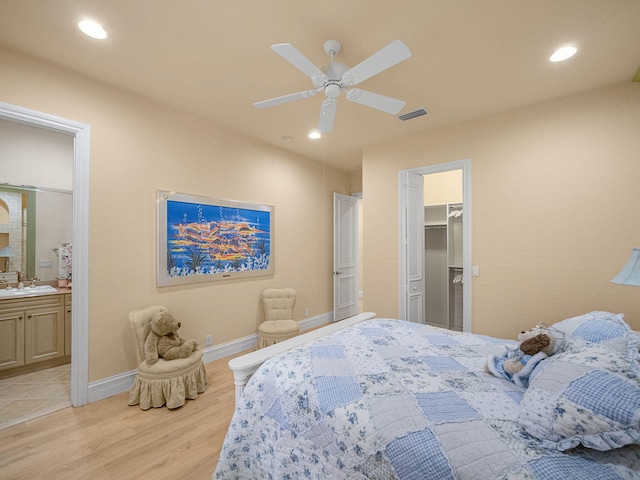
[(202, 239)]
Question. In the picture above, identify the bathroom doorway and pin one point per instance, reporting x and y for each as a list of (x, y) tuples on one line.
[(79, 136)]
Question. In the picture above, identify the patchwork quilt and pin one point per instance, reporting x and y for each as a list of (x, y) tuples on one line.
[(389, 399)]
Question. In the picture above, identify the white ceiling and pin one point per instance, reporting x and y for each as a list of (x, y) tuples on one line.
[(471, 58)]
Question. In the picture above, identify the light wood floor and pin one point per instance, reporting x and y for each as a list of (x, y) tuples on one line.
[(110, 440)]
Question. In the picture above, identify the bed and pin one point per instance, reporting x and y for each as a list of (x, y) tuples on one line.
[(385, 398)]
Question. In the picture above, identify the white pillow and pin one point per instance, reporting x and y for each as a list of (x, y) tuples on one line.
[(588, 396)]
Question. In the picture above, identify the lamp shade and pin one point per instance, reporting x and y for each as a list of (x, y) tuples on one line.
[(7, 252), (630, 273)]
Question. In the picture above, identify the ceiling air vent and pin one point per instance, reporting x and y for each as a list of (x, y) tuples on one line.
[(414, 114)]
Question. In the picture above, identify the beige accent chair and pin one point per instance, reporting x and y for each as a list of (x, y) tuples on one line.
[(278, 323), (166, 382)]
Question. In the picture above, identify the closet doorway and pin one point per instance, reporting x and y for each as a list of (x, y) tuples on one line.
[(443, 216), (435, 245)]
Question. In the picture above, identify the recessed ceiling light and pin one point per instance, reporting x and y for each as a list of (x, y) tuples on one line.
[(314, 134), (563, 53), (93, 29)]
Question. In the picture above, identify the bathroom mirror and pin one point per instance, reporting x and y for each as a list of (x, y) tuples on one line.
[(36, 212), (36, 223)]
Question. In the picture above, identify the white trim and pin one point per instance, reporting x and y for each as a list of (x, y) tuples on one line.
[(122, 382), (465, 166), (402, 244), (313, 322), (80, 239), (110, 386)]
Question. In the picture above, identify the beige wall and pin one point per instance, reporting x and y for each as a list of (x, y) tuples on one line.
[(138, 147), (555, 209), (35, 156), (443, 187)]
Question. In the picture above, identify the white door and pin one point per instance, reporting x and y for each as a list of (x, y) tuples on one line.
[(414, 247), (345, 256)]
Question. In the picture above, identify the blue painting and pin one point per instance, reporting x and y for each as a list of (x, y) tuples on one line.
[(208, 239)]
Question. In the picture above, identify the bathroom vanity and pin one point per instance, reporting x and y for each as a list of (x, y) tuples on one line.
[(35, 329)]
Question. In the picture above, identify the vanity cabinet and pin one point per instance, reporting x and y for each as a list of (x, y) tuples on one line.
[(32, 330)]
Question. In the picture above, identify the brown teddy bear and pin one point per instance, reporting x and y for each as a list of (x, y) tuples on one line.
[(516, 364), (531, 342), (163, 340)]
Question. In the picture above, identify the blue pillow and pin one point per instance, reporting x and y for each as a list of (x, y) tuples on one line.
[(594, 327)]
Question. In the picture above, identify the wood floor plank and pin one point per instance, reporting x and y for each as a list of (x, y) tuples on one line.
[(110, 440)]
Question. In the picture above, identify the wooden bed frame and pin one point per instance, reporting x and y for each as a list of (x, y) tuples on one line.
[(246, 365)]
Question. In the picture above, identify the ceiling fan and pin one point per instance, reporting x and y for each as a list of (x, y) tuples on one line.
[(337, 78)]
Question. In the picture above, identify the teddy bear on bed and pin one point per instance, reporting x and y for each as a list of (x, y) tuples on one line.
[(163, 340), (516, 364)]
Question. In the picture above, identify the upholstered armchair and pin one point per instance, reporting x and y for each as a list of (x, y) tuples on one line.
[(165, 382), (278, 324)]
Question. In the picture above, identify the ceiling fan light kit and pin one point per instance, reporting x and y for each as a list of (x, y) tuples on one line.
[(338, 77)]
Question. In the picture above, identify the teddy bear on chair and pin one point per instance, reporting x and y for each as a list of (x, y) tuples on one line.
[(516, 364), (163, 340)]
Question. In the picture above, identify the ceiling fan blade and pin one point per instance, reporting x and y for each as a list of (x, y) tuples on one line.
[(292, 55), (272, 102), (375, 100), (389, 56), (327, 115)]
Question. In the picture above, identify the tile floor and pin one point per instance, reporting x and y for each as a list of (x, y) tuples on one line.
[(34, 394)]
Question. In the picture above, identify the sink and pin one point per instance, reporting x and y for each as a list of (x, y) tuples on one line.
[(26, 291)]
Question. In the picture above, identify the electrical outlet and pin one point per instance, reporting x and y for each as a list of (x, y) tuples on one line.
[(207, 341), (306, 312), (45, 263)]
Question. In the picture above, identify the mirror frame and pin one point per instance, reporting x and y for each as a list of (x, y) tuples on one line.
[(29, 268)]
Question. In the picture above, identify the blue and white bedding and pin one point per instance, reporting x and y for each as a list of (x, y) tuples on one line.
[(391, 399)]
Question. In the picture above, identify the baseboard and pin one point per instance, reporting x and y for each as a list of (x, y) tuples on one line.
[(122, 382), (318, 320), (110, 386)]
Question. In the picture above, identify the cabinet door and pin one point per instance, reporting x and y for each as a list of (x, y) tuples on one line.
[(11, 339), (44, 334)]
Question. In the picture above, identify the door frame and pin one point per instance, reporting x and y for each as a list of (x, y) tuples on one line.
[(345, 246), (465, 166), (80, 237)]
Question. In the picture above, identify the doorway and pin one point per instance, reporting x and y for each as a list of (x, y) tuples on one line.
[(80, 236), (443, 217), (345, 256), (412, 292)]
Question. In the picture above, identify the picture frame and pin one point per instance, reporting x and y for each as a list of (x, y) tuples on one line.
[(203, 239)]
